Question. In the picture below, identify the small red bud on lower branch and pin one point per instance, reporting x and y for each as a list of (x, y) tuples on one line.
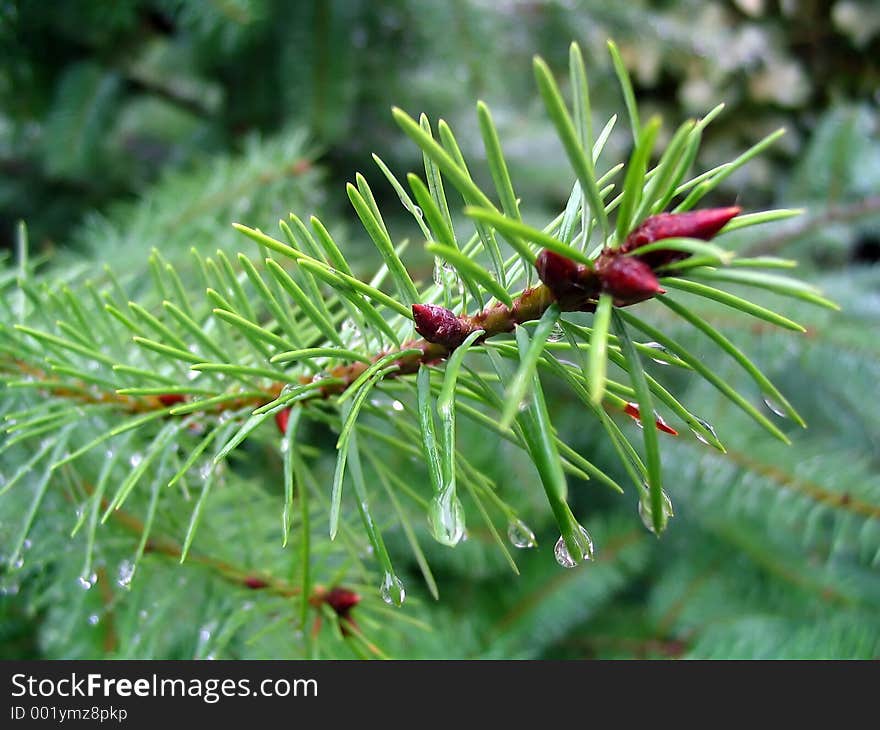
[(281, 419), (342, 601), (171, 399)]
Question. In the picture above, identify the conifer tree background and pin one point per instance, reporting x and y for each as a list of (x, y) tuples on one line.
[(128, 138)]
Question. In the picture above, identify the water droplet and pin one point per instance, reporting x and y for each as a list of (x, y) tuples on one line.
[(125, 574), (26, 545), (637, 419), (205, 633), (87, 581), (556, 334), (446, 517), (445, 275), (392, 590), (142, 614), (774, 407), (657, 346), (18, 563), (709, 427), (632, 410), (205, 469), (93, 619), (135, 459), (521, 535), (396, 405), (585, 548), (9, 588), (646, 514)]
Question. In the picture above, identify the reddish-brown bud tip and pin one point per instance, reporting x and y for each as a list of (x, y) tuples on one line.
[(629, 280), (342, 600), (573, 285), (558, 272), (702, 224), (439, 325), (255, 583), (170, 399), (281, 419)]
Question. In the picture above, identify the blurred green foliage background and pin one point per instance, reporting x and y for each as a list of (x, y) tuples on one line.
[(135, 124)]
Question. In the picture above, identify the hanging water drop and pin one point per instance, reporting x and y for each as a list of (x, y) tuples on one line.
[(647, 515), (93, 619), (392, 590), (125, 574), (632, 410), (135, 459), (396, 405), (774, 407), (657, 346), (438, 273), (87, 581), (446, 517), (699, 436), (585, 549), (556, 334), (521, 535), (205, 469)]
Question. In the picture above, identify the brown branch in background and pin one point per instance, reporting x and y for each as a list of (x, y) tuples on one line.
[(110, 638), (833, 214), (342, 601)]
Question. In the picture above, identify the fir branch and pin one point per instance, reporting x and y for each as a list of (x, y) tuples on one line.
[(301, 330)]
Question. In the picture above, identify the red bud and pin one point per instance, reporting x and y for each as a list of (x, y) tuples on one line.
[(439, 325), (255, 583), (281, 419), (574, 285), (629, 280), (702, 224), (170, 399), (342, 600), (556, 271)]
